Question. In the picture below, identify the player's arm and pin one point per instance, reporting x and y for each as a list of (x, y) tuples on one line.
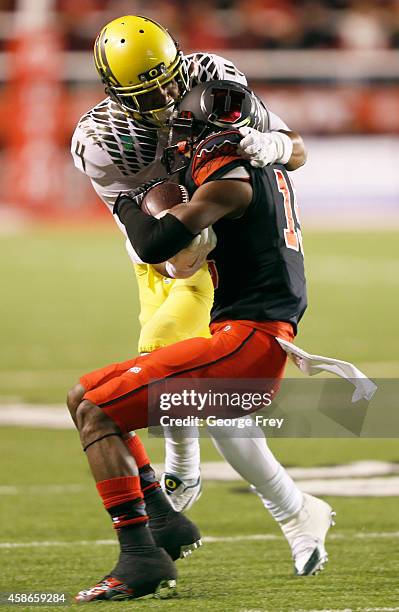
[(189, 260), (209, 204), (156, 240), (279, 145), (299, 154), (161, 268)]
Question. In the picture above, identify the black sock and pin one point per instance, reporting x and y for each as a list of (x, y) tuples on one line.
[(131, 523), (157, 504), (136, 539)]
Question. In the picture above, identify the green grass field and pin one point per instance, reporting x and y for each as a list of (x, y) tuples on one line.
[(68, 306)]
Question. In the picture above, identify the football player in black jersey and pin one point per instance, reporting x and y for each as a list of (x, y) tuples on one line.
[(117, 145), (261, 294)]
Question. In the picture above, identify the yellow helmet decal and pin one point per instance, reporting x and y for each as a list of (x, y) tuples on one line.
[(100, 58)]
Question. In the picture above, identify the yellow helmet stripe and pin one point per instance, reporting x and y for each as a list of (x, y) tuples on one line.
[(102, 61), (97, 57)]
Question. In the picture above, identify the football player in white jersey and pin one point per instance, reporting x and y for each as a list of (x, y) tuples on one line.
[(118, 144)]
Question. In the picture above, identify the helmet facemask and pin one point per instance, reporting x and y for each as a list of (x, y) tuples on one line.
[(134, 99), (184, 133)]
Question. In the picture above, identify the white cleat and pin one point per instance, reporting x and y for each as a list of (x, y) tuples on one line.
[(306, 533), (181, 494)]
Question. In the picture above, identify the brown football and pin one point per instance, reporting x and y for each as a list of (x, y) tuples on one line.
[(163, 196)]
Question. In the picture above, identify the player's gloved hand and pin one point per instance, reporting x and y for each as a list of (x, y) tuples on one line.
[(264, 148), (189, 260), (136, 195)]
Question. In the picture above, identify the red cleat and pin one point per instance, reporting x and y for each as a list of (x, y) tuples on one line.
[(107, 588)]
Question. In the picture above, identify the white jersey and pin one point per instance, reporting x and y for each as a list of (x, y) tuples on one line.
[(119, 154)]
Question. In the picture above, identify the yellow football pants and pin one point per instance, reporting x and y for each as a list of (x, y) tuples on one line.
[(172, 309)]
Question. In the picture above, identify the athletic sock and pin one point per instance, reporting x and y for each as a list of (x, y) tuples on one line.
[(136, 448), (280, 495), (157, 504), (254, 461), (123, 500), (182, 454)]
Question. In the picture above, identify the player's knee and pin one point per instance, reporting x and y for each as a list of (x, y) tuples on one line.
[(74, 398), (92, 422)]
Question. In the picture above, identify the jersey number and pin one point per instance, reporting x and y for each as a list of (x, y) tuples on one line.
[(292, 234), (80, 152)]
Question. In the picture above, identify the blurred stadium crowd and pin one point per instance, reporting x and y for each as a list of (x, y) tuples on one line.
[(243, 24), (240, 24)]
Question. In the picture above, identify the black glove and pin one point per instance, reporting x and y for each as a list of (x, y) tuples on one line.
[(137, 195)]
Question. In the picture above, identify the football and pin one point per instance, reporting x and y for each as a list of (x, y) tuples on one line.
[(162, 197)]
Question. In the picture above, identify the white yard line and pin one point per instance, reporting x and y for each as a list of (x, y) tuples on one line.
[(40, 489), (216, 470), (256, 537), (53, 417), (339, 487), (352, 487)]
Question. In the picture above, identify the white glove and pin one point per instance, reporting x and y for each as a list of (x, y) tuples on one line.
[(264, 148), (190, 260)]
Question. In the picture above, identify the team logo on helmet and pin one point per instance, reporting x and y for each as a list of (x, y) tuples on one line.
[(153, 73)]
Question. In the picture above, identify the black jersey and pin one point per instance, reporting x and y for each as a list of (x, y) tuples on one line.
[(257, 265)]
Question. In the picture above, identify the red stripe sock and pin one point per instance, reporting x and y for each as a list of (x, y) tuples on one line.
[(136, 448), (123, 499), (148, 478), (116, 491)]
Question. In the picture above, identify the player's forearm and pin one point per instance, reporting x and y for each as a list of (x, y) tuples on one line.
[(161, 269), (170, 271), (299, 153), (155, 240)]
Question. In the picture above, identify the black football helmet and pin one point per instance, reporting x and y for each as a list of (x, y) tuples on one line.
[(211, 107)]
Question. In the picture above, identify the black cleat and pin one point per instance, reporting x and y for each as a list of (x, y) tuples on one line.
[(139, 575), (178, 536)]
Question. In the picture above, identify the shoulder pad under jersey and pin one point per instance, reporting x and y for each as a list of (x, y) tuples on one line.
[(88, 156), (106, 139), (214, 153)]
